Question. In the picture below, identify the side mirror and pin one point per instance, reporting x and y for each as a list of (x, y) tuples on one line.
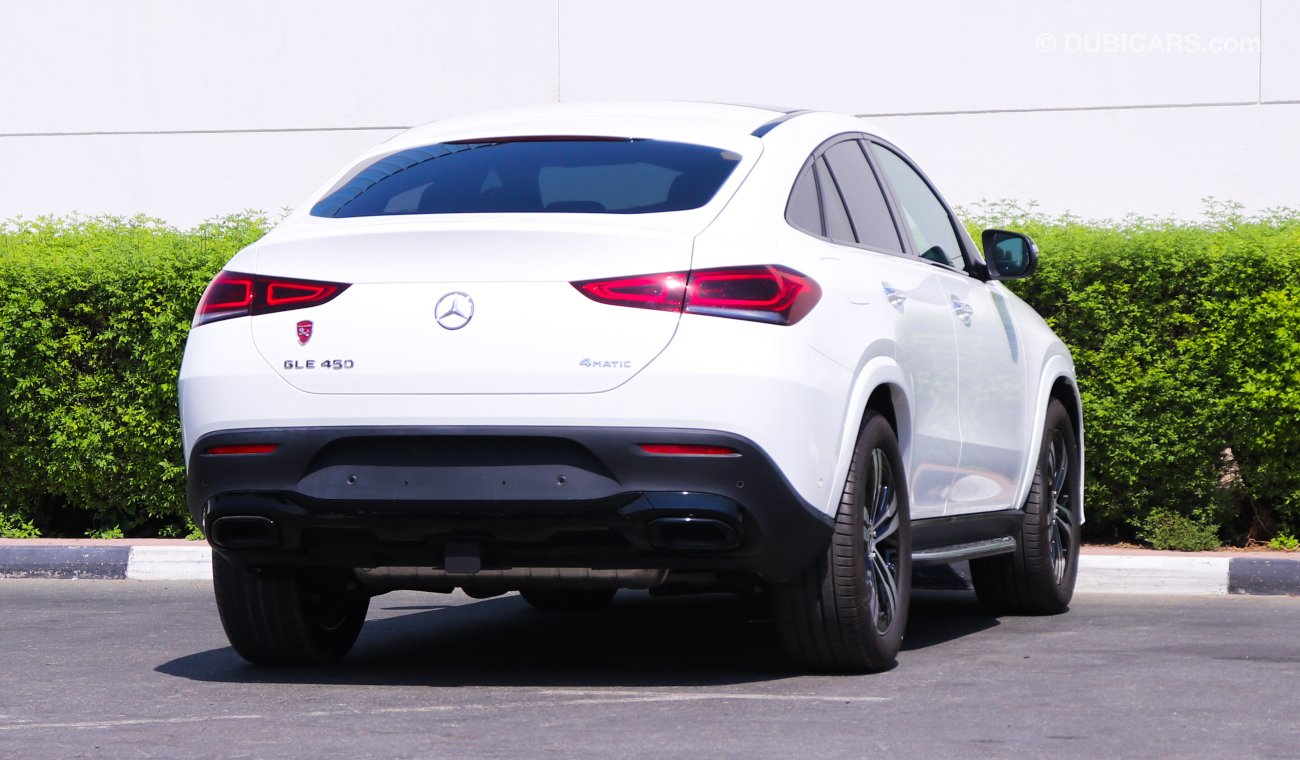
[(1009, 255)]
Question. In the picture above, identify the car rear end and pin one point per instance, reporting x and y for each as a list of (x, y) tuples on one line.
[(490, 361)]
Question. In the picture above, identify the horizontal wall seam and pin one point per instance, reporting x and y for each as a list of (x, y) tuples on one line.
[(879, 115), (268, 130), (1069, 109)]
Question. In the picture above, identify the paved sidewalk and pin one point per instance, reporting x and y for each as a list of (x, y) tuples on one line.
[(1101, 569)]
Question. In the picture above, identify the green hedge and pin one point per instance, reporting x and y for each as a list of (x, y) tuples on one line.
[(93, 319), (1186, 341), (1186, 338)]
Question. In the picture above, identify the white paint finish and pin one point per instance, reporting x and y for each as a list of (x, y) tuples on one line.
[(495, 352), (181, 178), (994, 421), (1280, 54), (1112, 163), (243, 64), (924, 340), (933, 55), (170, 563), (1128, 574), (742, 377)]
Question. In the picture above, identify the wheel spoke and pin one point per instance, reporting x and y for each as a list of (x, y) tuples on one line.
[(877, 476), (1059, 464), (881, 506), (1060, 550), (886, 527), (1062, 515), (884, 506), (875, 483), (886, 593), (885, 521)]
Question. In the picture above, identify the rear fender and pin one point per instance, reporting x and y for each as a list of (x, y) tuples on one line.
[(880, 371)]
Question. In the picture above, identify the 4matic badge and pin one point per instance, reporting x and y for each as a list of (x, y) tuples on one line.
[(605, 364)]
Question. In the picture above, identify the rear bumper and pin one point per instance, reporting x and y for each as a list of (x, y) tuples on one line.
[(501, 497)]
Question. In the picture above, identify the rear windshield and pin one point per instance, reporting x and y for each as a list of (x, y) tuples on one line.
[(535, 175)]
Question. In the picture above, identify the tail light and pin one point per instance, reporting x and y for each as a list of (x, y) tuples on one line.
[(234, 294), (243, 448), (766, 293), (688, 450)]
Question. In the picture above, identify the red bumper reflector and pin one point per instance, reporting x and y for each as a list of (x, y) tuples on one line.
[(688, 449), (244, 448)]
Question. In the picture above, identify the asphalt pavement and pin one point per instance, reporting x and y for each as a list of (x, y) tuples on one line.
[(142, 669)]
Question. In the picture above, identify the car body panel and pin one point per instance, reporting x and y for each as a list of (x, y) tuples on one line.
[(967, 392), (992, 379), (523, 330)]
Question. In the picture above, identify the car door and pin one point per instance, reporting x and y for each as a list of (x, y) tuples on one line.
[(992, 377), (887, 286)]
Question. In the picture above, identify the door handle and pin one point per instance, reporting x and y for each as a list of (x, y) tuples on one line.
[(896, 297), (963, 311)]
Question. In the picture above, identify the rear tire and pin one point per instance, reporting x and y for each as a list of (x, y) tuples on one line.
[(1038, 578), (847, 612), (570, 599), (287, 619)]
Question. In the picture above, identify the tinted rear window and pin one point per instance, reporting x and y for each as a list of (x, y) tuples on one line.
[(532, 175)]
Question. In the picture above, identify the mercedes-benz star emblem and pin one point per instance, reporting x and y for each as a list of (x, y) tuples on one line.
[(454, 310)]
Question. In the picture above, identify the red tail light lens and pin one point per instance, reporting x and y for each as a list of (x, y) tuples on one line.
[(688, 450), (284, 294), (766, 293), (230, 294), (243, 448), (234, 294), (649, 291), (762, 293)]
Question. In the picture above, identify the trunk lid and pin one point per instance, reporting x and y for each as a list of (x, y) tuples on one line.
[(471, 307)]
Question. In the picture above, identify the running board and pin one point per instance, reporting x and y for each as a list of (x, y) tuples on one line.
[(943, 555)]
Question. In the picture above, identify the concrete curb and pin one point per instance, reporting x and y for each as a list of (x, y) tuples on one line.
[(1108, 571), (170, 563), (1100, 570), (64, 561), (1136, 574), (109, 560)]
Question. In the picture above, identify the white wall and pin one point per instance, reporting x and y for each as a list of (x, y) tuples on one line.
[(186, 109)]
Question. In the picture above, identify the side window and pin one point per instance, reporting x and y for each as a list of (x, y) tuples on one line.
[(863, 197), (838, 227), (924, 213), (804, 210)]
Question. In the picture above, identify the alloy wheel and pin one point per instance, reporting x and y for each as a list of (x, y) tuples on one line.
[(1061, 536), (881, 540)]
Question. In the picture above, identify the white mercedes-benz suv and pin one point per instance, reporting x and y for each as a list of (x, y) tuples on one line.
[(671, 346)]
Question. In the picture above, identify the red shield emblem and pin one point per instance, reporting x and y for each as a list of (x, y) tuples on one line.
[(304, 332)]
